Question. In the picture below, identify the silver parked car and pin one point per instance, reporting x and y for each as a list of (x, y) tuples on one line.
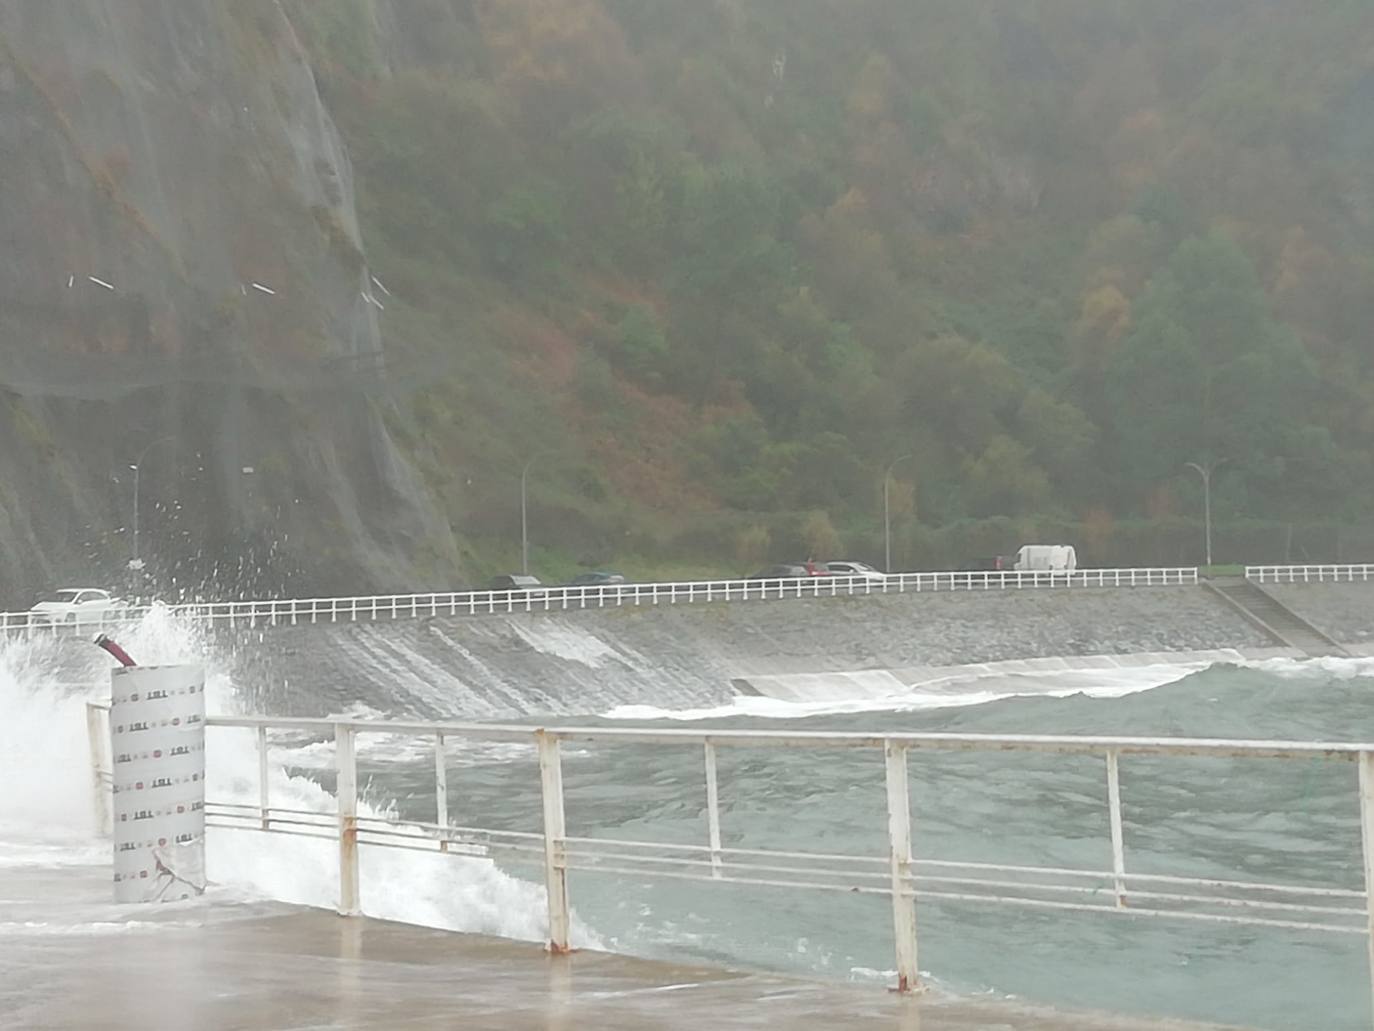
[(856, 570), (76, 606)]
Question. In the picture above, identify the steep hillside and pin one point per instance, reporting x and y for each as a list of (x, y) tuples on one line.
[(705, 269), (182, 287), (719, 264)]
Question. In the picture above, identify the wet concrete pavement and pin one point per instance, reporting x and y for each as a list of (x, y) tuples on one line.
[(69, 958)]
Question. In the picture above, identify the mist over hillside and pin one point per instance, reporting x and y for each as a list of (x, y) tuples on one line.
[(711, 268)]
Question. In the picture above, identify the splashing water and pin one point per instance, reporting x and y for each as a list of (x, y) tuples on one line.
[(46, 811), (1290, 823)]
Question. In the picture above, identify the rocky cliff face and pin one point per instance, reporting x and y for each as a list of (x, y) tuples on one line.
[(183, 287)]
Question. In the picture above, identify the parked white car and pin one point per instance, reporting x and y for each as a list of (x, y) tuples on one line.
[(858, 570), (76, 606)]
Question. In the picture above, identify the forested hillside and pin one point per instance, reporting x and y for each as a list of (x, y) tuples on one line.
[(714, 265)]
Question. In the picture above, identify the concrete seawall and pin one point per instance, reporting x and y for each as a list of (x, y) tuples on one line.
[(587, 661)]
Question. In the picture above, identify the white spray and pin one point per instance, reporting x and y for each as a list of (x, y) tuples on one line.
[(46, 807)]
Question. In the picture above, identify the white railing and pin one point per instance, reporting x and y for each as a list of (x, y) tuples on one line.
[(1308, 574), (370, 608), (1113, 890)]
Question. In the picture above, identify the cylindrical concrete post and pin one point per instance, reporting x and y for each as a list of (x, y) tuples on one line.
[(157, 743)]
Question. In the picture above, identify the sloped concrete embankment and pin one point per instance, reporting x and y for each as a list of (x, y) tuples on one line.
[(1342, 611), (588, 661)]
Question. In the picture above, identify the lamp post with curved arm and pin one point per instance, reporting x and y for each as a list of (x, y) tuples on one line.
[(887, 519), (136, 466), (524, 524), (1205, 470)]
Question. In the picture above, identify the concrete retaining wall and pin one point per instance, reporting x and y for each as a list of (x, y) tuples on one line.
[(581, 662)]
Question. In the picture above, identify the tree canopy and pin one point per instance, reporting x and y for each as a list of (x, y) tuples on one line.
[(742, 254)]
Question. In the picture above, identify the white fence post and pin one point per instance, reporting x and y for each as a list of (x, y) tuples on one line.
[(899, 848), (263, 800), (441, 791), (555, 843), (97, 731), (1367, 849), (1118, 842), (345, 764), (712, 809)]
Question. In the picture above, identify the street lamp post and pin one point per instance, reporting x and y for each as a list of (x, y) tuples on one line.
[(887, 519), (1205, 471), (524, 524), (136, 562)]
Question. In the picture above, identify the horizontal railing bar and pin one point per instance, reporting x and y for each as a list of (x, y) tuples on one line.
[(1073, 889), (856, 889), (449, 834), (1140, 911), (673, 861), (1283, 889), (259, 829), (255, 810), (1055, 871), (299, 812), (430, 845), (766, 853), (661, 845), (707, 850), (451, 828), (285, 821), (1062, 744), (1213, 900)]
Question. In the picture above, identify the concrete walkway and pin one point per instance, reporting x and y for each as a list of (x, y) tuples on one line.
[(72, 959)]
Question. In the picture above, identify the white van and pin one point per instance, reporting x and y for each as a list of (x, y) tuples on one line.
[(1055, 558)]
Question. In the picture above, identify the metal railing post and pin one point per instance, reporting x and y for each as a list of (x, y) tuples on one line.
[(1118, 841), (263, 801), (712, 809), (346, 766), (899, 849), (441, 791), (1367, 850), (98, 734), (555, 843)]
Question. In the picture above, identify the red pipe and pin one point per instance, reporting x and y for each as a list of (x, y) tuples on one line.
[(119, 653)]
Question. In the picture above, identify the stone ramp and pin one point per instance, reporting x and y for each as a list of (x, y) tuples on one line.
[(74, 960), (1273, 617)]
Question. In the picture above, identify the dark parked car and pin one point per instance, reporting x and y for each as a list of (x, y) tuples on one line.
[(516, 582), (590, 586)]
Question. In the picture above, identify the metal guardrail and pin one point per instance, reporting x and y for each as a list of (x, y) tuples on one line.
[(897, 874), (370, 608), (1309, 574)]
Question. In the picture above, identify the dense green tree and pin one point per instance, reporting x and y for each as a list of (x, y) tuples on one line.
[(526, 227), (1208, 374)]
